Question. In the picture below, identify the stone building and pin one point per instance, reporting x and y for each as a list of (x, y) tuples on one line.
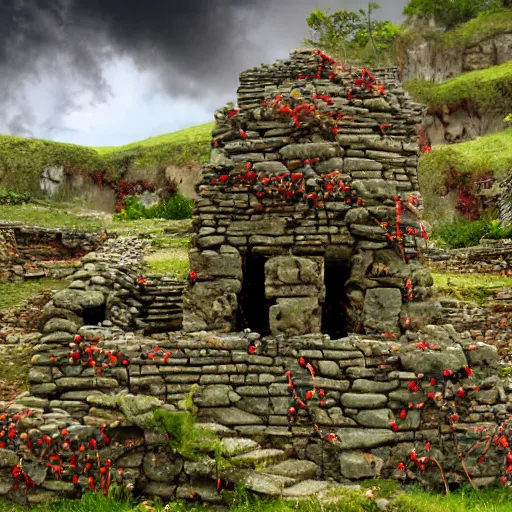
[(307, 218)]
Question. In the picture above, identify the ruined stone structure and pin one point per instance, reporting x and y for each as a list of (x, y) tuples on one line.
[(307, 229), (305, 220)]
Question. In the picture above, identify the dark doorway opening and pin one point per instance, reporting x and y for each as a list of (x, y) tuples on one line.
[(94, 316), (253, 309), (335, 318)]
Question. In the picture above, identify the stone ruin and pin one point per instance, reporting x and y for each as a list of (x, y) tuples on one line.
[(308, 237), (307, 219)]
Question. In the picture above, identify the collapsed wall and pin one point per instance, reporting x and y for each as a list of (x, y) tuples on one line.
[(307, 217)]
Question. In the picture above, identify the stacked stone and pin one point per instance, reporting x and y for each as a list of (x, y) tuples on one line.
[(366, 385), (493, 258), (35, 252), (162, 305), (110, 282), (505, 201), (373, 149)]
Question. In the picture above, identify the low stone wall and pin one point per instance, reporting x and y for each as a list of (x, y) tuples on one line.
[(374, 400), (110, 289), (492, 259), (33, 252)]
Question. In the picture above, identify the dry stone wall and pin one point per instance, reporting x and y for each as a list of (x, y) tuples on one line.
[(31, 252), (312, 178), (321, 409), (109, 289)]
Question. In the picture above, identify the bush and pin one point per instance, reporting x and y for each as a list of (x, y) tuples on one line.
[(460, 234), (9, 197), (177, 207)]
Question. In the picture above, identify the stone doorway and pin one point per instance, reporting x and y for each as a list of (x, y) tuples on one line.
[(253, 310), (335, 319), (94, 315)]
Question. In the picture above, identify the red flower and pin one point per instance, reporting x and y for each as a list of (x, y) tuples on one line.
[(412, 455), (427, 446), (243, 134), (423, 346), (401, 466), (461, 393), (413, 386), (223, 178), (394, 426), (292, 411), (447, 374), (302, 361), (433, 382), (248, 166), (469, 371), (252, 349), (321, 392), (309, 395), (431, 395), (403, 414)]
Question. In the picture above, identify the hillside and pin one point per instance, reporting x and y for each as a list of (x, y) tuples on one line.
[(22, 160)]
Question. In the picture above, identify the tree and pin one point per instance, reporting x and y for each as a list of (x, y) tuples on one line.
[(352, 36)]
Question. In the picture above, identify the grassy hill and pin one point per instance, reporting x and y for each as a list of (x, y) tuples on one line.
[(490, 87), (492, 153), (22, 160)]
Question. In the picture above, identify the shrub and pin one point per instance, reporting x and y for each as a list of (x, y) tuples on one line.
[(177, 207), (460, 234), (9, 197)]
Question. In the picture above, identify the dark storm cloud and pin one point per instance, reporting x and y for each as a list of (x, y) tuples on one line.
[(195, 48)]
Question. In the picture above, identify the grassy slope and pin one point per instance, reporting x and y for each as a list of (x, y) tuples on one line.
[(22, 160), (484, 26), (477, 157), (490, 87)]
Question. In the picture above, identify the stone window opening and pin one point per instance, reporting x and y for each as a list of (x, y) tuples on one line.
[(335, 320), (253, 310), (94, 315)]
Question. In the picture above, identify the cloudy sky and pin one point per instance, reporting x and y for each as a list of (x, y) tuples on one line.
[(109, 72)]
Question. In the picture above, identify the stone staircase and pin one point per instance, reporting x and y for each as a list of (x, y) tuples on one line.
[(269, 472), (162, 306)]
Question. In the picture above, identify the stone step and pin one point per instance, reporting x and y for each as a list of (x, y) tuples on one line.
[(238, 446), (163, 318), (306, 488), (162, 311), (299, 470), (259, 458), (268, 485)]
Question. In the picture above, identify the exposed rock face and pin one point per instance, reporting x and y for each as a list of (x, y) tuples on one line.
[(310, 179), (426, 61)]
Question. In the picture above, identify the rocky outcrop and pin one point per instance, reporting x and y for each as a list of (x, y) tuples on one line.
[(428, 60)]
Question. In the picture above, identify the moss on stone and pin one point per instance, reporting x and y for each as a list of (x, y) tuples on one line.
[(490, 87)]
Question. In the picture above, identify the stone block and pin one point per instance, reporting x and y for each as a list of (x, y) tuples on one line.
[(356, 465), (210, 264), (381, 310), (296, 316)]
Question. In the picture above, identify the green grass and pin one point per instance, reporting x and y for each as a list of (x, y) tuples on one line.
[(22, 160), (476, 157), (486, 87), (171, 260), (197, 134), (468, 287), (49, 217), (15, 294), (484, 26), (484, 500), (413, 500)]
